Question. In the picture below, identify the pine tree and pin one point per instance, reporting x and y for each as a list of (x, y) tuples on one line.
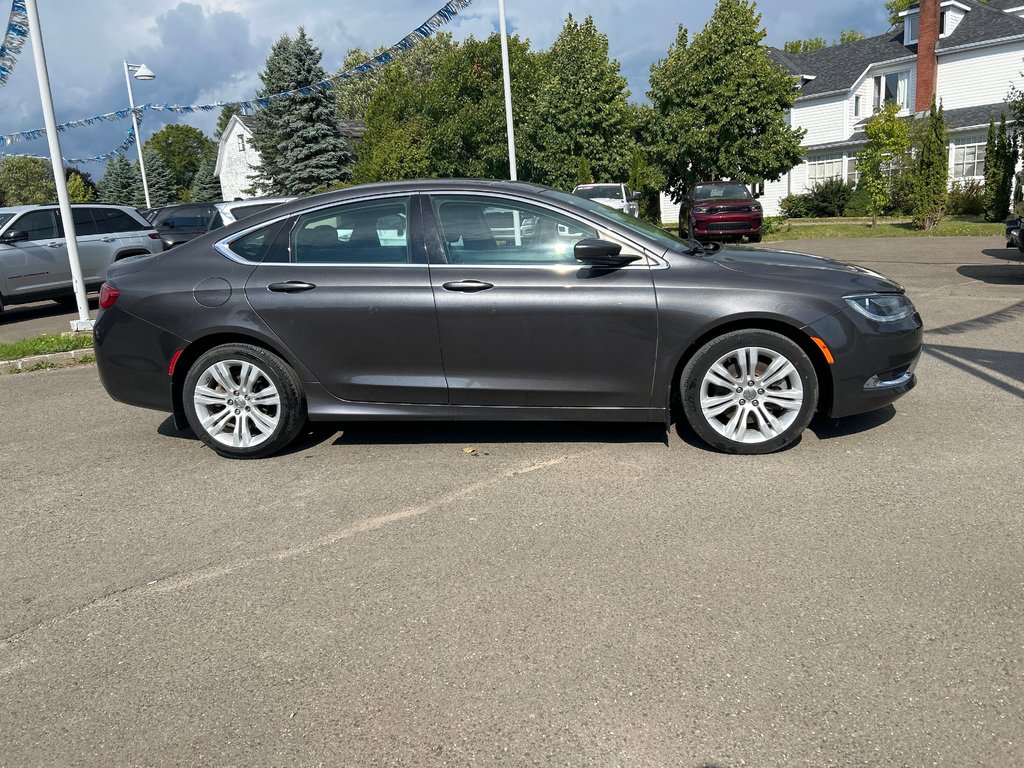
[(226, 113), (205, 184), (120, 183), (720, 104), (581, 111), (1008, 160), (300, 146), (931, 169), (993, 171), (162, 189)]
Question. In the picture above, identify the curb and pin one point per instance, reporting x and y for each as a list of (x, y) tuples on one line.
[(56, 360)]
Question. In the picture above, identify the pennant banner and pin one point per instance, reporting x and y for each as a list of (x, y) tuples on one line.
[(425, 30), (129, 139), (14, 38)]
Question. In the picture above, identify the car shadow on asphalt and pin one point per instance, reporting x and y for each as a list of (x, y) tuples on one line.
[(1010, 272), (825, 428), (982, 363)]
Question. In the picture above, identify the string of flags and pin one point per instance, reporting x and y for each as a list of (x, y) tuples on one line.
[(443, 16), (14, 38), (121, 148)]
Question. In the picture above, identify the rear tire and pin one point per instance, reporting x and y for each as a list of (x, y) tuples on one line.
[(243, 401), (749, 392)]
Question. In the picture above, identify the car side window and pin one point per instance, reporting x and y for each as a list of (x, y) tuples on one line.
[(190, 217), (495, 231), (354, 233), (110, 220), (85, 224), (40, 225)]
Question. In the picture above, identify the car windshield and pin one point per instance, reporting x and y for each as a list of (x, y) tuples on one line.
[(716, 191), (602, 191), (5, 217), (639, 226)]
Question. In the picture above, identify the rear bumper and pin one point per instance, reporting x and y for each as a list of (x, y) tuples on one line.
[(132, 357)]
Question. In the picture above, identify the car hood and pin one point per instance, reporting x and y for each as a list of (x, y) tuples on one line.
[(755, 261), (720, 201), (611, 202)]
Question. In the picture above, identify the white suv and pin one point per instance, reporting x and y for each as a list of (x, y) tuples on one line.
[(34, 263), (615, 196)]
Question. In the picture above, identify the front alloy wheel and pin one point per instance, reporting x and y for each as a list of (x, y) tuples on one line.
[(749, 392), (243, 401)]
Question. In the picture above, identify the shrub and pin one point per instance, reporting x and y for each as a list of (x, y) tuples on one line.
[(901, 196), (794, 206), (966, 198), (774, 225), (859, 204), (829, 198)]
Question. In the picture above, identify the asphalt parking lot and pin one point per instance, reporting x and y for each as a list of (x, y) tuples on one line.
[(499, 594)]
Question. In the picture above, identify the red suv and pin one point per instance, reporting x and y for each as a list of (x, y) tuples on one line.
[(716, 210)]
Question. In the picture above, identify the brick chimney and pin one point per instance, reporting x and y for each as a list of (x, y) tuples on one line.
[(927, 66)]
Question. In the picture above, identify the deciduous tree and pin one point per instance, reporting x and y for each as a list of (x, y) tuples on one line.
[(182, 149), (26, 181), (721, 103), (888, 141)]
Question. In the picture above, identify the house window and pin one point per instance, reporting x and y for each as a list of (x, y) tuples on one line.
[(911, 29), (856, 106), (241, 143), (892, 87), (968, 160), (822, 166), (852, 176)]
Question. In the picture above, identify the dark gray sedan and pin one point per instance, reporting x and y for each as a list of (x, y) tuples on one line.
[(491, 300)]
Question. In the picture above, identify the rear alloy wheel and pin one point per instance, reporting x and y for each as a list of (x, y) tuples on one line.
[(243, 401), (749, 392)]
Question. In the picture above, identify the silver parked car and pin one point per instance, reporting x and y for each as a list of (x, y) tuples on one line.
[(34, 262)]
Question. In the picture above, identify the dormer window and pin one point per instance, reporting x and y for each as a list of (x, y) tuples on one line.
[(893, 87)]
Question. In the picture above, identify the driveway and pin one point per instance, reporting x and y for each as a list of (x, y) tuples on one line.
[(578, 595)]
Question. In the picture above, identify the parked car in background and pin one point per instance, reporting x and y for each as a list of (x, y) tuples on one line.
[(178, 224), (720, 210), (34, 261), (615, 196), (484, 300), (228, 212)]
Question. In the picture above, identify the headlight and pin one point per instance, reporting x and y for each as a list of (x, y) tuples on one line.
[(882, 307), (701, 210)]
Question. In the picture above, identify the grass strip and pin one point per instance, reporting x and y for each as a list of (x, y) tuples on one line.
[(44, 345)]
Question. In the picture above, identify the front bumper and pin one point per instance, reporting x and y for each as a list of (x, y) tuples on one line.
[(874, 362), (726, 224)]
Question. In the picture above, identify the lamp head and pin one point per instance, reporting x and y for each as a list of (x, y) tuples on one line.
[(142, 72)]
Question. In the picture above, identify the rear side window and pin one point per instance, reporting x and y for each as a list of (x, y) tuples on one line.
[(40, 225), (109, 220), (85, 224), (252, 246), (373, 232)]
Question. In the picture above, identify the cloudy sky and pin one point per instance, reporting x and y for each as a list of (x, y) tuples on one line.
[(212, 50)]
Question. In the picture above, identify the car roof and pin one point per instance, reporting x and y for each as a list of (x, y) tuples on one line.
[(55, 206)]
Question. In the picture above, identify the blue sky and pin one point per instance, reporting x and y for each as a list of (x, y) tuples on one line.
[(210, 50)]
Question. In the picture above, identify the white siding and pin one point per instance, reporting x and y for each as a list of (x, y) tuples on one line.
[(983, 76), (824, 119), (669, 210), (235, 161)]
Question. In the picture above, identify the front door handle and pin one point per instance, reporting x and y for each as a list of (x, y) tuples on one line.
[(292, 286), (467, 286), (108, 239), (54, 245)]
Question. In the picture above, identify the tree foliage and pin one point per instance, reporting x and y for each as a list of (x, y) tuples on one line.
[(120, 183), (581, 111), (1000, 163), (162, 188), (205, 184), (888, 141), (182, 149), (26, 181), (804, 46), (850, 36), (78, 192), (85, 179), (226, 113), (721, 104), (930, 169), (300, 146)]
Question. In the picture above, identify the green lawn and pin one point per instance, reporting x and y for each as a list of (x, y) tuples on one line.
[(801, 229), (45, 345)]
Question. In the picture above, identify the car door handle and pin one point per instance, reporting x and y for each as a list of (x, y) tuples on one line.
[(109, 239), (467, 286), (292, 286), (55, 245)]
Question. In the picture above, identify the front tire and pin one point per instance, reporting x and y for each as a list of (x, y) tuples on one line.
[(749, 392), (243, 401)]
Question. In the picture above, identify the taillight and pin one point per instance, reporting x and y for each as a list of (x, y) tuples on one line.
[(154, 235), (108, 295)]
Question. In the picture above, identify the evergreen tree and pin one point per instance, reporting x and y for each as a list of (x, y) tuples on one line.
[(205, 184), (931, 169), (584, 175), (1000, 162), (645, 179), (300, 146), (120, 183), (720, 104), (26, 181), (162, 189), (581, 111), (182, 149), (888, 140)]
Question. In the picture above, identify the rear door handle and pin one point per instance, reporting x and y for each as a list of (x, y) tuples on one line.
[(292, 286), (467, 286)]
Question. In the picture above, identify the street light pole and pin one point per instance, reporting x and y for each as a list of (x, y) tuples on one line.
[(83, 323), (508, 92), (142, 72)]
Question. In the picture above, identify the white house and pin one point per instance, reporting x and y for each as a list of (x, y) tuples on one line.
[(237, 159), (965, 53)]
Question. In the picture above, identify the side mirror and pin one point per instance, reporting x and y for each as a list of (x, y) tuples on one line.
[(601, 253), (634, 196), (14, 236)]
